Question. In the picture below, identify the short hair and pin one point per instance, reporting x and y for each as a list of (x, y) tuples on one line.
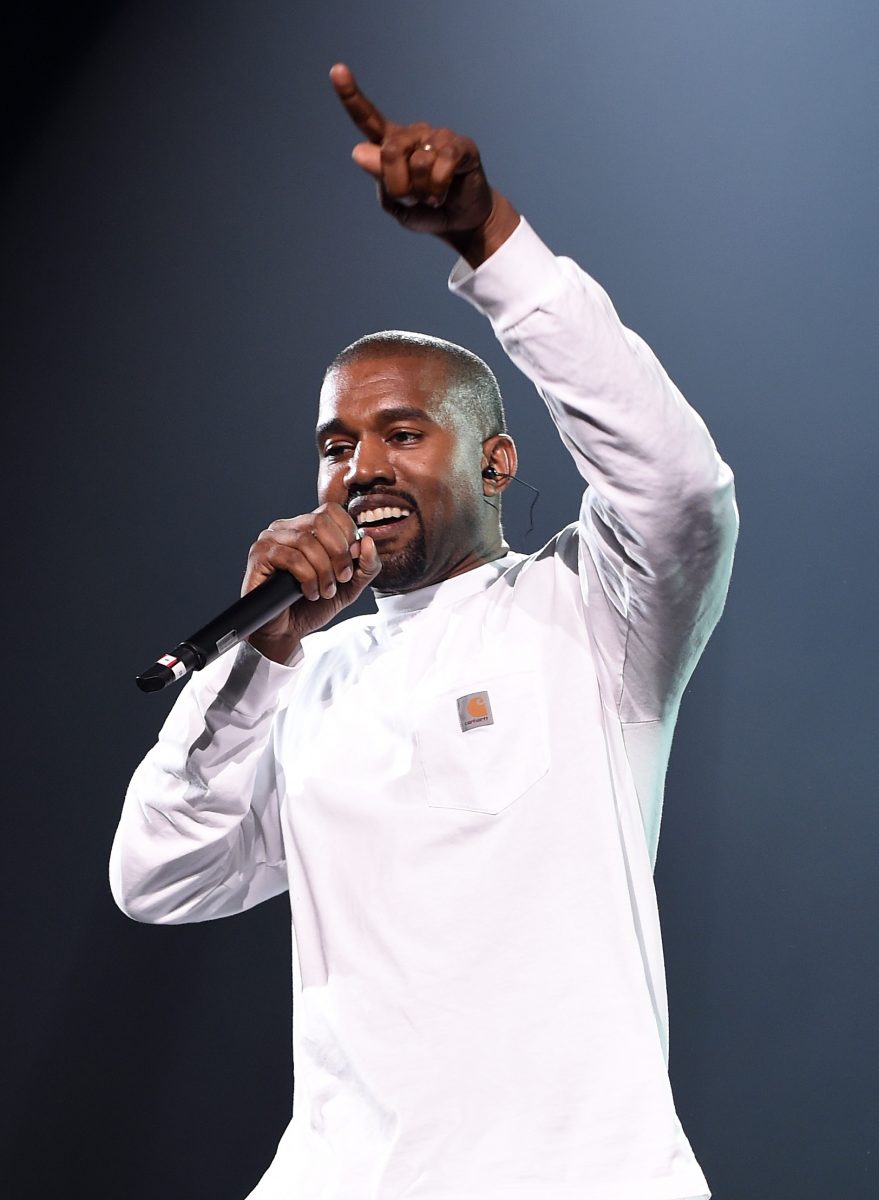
[(472, 386)]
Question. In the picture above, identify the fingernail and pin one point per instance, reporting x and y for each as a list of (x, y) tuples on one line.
[(345, 574), (432, 202), (331, 591)]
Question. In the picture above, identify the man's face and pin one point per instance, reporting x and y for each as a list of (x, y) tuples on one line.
[(396, 456)]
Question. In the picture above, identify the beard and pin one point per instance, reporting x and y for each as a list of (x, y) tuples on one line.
[(403, 570)]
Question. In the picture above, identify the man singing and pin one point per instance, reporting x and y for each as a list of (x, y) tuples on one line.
[(462, 790)]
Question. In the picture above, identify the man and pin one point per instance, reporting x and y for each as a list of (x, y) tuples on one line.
[(461, 792)]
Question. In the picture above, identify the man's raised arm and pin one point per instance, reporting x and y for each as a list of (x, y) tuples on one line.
[(659, 522)]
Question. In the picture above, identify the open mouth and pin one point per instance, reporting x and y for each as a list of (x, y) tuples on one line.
[(379, 518)]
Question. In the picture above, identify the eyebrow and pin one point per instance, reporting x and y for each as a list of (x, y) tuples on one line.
[(387, 416)]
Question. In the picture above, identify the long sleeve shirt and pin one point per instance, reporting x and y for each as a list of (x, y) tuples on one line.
[(462, 794)]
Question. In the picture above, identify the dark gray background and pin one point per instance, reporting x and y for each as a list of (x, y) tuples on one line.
[(185, 244)]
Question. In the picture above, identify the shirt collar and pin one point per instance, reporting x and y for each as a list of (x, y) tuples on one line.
[(448, 591)]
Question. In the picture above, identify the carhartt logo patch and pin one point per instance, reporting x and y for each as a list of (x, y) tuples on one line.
[(474, 710)]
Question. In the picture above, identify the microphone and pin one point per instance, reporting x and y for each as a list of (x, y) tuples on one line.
[(232, 626)]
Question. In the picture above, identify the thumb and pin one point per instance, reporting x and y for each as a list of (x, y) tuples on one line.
[(368, 158), (368, 564)]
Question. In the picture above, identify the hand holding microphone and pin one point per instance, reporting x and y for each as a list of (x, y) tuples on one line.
[(317, 556), (322, 552)]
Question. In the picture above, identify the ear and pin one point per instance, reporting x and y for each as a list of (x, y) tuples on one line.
[(499, 462)]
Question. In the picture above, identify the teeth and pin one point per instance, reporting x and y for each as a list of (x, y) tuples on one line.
[(381, 514)]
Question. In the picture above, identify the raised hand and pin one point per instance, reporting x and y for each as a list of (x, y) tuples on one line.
[(430, 179)]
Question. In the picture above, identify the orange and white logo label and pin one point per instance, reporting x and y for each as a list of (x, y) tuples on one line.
[(474, 710)]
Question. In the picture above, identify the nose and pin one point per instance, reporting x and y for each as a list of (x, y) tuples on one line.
[(369, 464)]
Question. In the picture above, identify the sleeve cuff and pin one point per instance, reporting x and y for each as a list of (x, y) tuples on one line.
[(511, 284)]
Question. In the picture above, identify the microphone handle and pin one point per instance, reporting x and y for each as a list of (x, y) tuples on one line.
[(235, 623)]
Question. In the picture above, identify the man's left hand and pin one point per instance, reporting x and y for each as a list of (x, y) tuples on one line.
[(430, 179)]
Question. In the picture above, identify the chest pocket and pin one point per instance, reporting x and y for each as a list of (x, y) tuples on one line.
[(482, 746)]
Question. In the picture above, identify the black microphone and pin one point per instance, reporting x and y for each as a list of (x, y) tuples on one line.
[(232, 626)]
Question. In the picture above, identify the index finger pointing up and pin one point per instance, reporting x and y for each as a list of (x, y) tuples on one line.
[(362, 112)]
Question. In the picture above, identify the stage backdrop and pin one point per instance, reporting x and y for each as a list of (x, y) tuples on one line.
[(185, 245)]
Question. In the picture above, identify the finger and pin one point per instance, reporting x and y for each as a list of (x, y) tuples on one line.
[(453, 155), (395, 152), (268, 556), (467, 153), (370, 564), (442, 171), (341, 516), (307, 561), (289, 550), (315, 577), (306, 522), (326, 546), (297, 548), (362, 111), (420, 165), (336, 532), (366, 569)]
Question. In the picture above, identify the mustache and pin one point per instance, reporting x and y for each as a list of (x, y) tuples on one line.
[(385, 493)]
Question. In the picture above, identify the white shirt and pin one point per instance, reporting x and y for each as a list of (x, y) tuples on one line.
[(479, 997)]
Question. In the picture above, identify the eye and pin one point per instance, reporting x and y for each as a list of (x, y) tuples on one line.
[(335, 449), (405, 436)]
